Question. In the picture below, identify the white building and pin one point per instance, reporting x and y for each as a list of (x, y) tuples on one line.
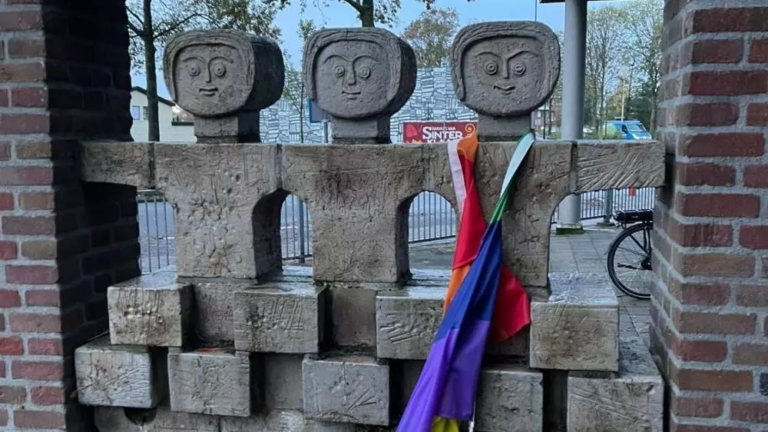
[(171, 130)]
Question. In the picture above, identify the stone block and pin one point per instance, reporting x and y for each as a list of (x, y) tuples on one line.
[(271, 421), (161, 419), (149, 310), (406, 322), (119, 376), (125, 163), (354, 316), (347, 390), (212, 382), (214, 310), (280, 318), (510, 399), (283, 386), (578, 329), (618, 164), (630, 401)]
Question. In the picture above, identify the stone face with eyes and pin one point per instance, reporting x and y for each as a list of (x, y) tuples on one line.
[(505, 73), (210, 78), (505, 69), (352, 78)]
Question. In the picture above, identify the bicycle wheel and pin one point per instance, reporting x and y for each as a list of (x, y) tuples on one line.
[(629, 261)]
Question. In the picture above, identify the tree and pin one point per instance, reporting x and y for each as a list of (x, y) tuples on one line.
[(431, 36), (294, 91), (605, 40), (152, 22), (644, 23)]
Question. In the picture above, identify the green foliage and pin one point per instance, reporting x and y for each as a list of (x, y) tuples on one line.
[(431, 36)]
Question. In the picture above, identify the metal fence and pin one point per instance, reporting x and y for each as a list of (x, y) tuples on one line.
[(430, 217)]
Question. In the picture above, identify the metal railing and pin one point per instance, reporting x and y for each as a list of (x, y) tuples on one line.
[(430, 217)]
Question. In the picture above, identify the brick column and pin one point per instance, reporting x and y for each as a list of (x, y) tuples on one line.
[(64, 76), (711, 245)]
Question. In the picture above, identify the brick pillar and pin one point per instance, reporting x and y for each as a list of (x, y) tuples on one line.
[(64, 76), (711, 245)]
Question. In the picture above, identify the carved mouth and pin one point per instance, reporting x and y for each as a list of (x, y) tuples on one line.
[(506, 89), (209, 91), (351, 94)]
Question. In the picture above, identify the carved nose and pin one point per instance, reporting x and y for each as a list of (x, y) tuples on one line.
[(351, 78)]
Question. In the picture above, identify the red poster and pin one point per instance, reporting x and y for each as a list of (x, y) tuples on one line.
[(435, 132)]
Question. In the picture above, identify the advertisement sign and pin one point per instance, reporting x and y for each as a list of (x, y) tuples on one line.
[(435, 132)]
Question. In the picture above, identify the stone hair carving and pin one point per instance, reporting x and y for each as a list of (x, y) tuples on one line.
[(224, 78), (505, 70), (360, 77)]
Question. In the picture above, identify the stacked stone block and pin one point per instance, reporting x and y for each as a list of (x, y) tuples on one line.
[(232, 341)]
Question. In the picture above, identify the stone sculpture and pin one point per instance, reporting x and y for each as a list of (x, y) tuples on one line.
[(360, 77), (224, 78), (503, 71)]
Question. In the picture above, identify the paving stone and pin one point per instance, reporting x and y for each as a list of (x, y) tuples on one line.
[(283, 386), (578, 329), (352, 389), (119, 376), (149, 310), (510, 399), (280, 318), (630, 401), (211, 381)]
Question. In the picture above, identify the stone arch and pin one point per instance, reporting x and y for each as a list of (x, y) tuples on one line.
[(423, 218), (267, 231)]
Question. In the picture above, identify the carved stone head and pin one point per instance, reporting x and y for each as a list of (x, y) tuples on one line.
[(215, 73), (359, 73), (505, 69)]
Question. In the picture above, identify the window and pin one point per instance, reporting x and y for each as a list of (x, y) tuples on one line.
[(136, 112), (145, 117)]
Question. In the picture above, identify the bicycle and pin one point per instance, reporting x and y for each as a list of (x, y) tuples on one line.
[(629, 257)]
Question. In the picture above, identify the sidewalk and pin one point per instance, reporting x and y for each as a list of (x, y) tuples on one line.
[(584, 253)]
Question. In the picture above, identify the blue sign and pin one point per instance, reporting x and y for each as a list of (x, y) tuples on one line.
[(316, 114)]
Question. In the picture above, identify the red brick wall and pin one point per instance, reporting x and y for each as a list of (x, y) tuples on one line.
[(64, 76), (710, 322)]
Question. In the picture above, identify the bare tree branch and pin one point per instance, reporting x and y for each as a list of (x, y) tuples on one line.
[(176, 26), (358, 7), (133, 27)]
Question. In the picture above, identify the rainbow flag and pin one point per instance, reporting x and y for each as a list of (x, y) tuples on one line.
[(445, 393)]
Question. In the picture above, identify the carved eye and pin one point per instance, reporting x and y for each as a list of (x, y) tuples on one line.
[(518, 69), (193, 69), (365, 72), (491, 68), (339, 70), (219, 70)]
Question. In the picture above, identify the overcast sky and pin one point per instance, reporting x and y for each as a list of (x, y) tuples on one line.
[(339, 14)]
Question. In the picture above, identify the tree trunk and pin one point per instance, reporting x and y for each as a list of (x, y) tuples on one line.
[(366, 15), (151, 70)]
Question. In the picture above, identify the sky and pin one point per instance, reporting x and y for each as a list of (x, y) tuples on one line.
[(340, 14)]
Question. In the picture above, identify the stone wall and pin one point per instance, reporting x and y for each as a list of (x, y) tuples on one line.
[(709, 321), (230, 340)]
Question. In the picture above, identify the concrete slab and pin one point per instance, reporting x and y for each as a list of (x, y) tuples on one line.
[(118, 376), (350, 389), (280, 318), (211, 381), (510, 399), (149, 310), (630, 401), (578, 329)]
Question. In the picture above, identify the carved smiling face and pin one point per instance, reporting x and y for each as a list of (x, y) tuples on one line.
[(352, 78), (210, 79), (503, 76)]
